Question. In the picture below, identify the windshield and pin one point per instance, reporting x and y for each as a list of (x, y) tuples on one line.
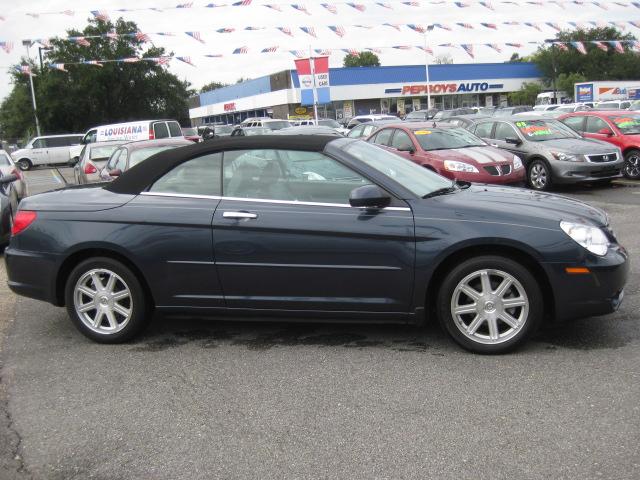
[(445, 139), (138, 156), (541, 130), (412, 176), (420, 115), (189, 131), (276, 125), (248, 132), (223, 129), (329, 123), (102, 151), (605, 105), (627, 124)]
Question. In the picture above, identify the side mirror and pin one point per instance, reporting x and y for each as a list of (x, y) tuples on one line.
[(605, 131), (115, 173), (8, 179), (369, 196), (73, 161), (407, 148), (513, 140)]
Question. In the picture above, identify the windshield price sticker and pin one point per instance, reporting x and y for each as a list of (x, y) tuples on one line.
[(531, 129), (626, 122), (422, 132)]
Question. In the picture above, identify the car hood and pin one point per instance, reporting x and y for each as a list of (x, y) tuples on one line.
[(482, 156), (17, 155), (578, 145), (517, 206), (85, 198)]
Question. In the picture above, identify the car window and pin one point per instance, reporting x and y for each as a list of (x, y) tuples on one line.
[(543, 130), (503, 131), (121, 161), (40, 143), (624, 105), (90, 137), (53, 142), (174, 129), (288, 175), (101, 151), (160, 130), (140, 154), (594, 124), (574, 122), (4, 160), (447, 139), (628, 124), (483, 130), (401, 140), (113, 159), (199, 176), (383, 137)]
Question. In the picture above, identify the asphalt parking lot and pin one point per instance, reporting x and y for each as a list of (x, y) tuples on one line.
[(211, 399)]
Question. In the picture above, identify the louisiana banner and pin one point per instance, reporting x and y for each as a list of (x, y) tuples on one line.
[(321, 70)]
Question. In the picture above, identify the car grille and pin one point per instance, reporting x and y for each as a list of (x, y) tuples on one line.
[(606, 157), (496, 170)]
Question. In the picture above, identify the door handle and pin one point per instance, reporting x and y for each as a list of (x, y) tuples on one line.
[(240, 215)]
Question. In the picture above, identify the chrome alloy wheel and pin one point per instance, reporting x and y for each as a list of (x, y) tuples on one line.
[(103, 301), (489, 306), (632, 166), (538, 176)]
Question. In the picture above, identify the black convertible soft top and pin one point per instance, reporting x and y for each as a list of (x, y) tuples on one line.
[(138, 178)]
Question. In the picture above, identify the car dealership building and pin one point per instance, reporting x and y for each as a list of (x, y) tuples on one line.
[(366, 90)]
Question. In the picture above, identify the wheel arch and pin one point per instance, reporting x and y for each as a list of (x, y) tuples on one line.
[(511, 251), (630, 148), (96, 251)]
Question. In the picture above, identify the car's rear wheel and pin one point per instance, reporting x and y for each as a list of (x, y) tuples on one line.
[(538, 175), (490, 304), (105, 300), (24, 164), (631, 167)]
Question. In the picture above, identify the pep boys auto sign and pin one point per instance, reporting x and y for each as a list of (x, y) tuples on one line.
[(448, 88)]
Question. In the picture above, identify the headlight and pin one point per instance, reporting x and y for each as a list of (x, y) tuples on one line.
[(517, 163), (591, 238), (454, 166), (567, 157)]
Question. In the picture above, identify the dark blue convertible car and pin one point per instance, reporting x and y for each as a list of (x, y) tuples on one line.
[(313, 227)]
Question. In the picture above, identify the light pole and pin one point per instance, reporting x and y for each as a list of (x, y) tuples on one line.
[(426, 66), (552, 41), (27, 44)]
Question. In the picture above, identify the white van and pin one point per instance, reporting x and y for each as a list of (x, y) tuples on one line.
[(130, 131), (45, 150)]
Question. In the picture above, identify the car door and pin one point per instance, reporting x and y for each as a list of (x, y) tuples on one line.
[(595, 127), (58, 151), (401, 144), (575, 122), (504, 130), (38, 154), (171, 223), (286, 238)]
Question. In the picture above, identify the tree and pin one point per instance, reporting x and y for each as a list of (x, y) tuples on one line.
[(595, 65), (212, 86), (89, 95), (566, 81), (362, 59), (443, 59), (526, 95)]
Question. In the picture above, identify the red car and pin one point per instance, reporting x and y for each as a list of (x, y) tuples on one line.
[(191, 134), (450, 151), (620, 127)]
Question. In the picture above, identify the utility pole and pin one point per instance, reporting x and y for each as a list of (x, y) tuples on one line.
[(426, 65), (27, 44), (553, 67)]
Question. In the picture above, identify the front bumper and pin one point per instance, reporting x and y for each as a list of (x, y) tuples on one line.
[(32, 274), (587, 295), (576, 172)]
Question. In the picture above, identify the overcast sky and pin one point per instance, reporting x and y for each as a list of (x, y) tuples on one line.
[(18, 26)]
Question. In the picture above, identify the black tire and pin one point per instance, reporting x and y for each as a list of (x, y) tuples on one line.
[(496, 265), (140, 313), (631, 167), (539, 175), (24, 164)]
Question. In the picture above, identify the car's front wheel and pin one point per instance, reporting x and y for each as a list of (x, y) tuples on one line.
[(631, 167), (105, 300), (538, 175), (490, 304), (24, 164)]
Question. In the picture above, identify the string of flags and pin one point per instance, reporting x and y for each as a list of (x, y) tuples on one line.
[(361, 6), (339, 30), (618, 46)]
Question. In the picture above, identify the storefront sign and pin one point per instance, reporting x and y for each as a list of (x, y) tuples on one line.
[(300, 110), (449, 88), (230, 107)]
